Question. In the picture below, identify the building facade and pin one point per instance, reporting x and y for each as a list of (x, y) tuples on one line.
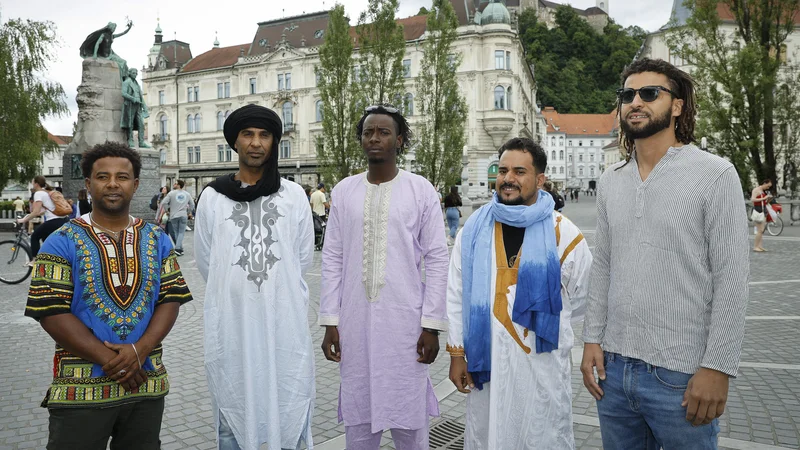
[(190, 97)]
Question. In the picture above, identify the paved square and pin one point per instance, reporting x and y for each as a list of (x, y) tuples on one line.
[(763, 406)]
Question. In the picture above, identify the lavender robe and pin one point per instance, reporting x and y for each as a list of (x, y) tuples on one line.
[(373, 290)]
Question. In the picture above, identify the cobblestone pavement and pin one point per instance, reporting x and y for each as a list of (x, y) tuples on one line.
[(763, 407)]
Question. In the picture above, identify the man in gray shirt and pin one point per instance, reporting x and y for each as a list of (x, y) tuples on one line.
[(668, 291), (180, 206)]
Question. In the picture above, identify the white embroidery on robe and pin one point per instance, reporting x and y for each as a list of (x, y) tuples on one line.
[(256, 220), (376, 235)]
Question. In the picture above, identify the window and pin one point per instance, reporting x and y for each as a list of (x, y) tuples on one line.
[(252, 85), (163, 156), (197, 155), (161, 97), (561, 155), (571, 172), (508, 60), (591, 143), (318, 109), (288, 78), (220, 90), (227, 113), (280, 81), (580, 171), (499, 97), (570, 158), (190, 152), (591, 157), (197, 93), (553, 142), (228, 152), (591, 171), (580, 158), (409, 104), (227, 89), (220, 120), (499, 60), (190, 124), (220, 152), (508, 103), (553, 154), (406, 68), (570, 143), (49, 170), (286, 149), (287, 115), (561, 170), (162, 126), (189, 93), (561, 140), (316, 77), (198, 122), (451, 61), (580, 143)]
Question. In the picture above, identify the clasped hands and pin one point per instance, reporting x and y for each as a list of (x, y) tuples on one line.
[(427, 346), (126, 367)]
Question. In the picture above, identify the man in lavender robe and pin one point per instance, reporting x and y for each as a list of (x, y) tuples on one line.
[(382, 321)]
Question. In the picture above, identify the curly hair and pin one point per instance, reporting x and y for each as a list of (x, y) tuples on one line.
[(110, 150), (681, 83), (403, 129)]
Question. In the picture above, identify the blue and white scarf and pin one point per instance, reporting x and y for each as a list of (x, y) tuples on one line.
[(537, 306)]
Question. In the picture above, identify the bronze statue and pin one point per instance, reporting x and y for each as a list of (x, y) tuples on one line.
[(98, 45), (134, 111)]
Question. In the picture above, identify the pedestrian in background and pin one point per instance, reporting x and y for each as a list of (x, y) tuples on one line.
[(668, 290), (180, 207), (452, 203), (760, 198)]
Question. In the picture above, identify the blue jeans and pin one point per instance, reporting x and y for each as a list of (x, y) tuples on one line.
[(452, 216), (178, 225), (641, 409)]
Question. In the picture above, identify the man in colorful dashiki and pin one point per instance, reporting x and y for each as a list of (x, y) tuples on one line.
[(107, 288), (254, 240), (518, 280), (382, 321)]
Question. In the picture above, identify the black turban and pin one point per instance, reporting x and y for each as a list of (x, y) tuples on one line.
[(252, 116)]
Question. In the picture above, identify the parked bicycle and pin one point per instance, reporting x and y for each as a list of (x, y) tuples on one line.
[(15, 254), (774, 226)]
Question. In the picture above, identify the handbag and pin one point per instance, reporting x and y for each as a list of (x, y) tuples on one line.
[(757, 217), (165, 218)]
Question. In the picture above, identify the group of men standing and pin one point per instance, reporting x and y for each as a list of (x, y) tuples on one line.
[(664, 311)]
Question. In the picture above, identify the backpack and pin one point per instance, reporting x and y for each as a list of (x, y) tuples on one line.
[(62, 207), (559, 202), (154, 202)]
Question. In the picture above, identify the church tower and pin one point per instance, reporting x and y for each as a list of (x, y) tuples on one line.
[(155, 50), (603, 4)]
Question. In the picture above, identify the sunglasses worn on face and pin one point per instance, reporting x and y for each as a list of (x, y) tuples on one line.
[(388, 109), (647, 93)]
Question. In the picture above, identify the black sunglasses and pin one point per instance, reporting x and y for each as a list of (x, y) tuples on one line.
[(386, 108), (647, 93)]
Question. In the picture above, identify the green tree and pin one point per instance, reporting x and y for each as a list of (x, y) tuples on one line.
[(441, 105), (338, 153), (381, 46), (26, 49), (738, 75)]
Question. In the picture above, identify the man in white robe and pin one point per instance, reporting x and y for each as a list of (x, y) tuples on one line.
[(525, 400), (254, 240)]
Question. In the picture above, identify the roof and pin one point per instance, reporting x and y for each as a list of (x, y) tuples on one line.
[(216, 57), (59, 140), (176, 53), (681, 13), (593, 11), (579, 124), (464, 10)]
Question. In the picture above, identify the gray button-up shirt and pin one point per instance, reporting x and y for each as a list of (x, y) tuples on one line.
[(671, 264)]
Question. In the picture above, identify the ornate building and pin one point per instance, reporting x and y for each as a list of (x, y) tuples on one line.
[(190, 97)]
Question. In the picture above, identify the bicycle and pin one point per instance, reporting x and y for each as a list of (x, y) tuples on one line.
[(14, 257), (774, 227)]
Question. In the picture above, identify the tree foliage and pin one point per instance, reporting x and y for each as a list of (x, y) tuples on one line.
[(26, 50), (338, 153), (745, 89), (577, 68), (441, 105), (381, 46)]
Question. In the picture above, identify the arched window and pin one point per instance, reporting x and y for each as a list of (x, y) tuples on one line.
[(220, 120), (198, 123), (409, 104), (561, 170), (561, 155), (162, 126), (287, 113), (227, 113), (499, 97), (553, 141), (162, 156), (553, 154), (508, 99), (580, 171), (190, 124), (591, 171), (319, 110)]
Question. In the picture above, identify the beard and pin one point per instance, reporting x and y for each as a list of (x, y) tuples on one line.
[(655, 125), (518, 200)]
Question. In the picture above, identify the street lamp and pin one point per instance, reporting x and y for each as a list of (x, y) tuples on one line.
[(704, 143)]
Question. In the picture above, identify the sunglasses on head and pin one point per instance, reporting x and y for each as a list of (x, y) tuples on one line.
[(647, 93), (389, 109)]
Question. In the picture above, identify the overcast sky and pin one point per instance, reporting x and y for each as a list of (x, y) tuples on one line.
[(196, 22)]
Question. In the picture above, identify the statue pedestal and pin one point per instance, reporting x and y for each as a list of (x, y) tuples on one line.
[(99, 113)]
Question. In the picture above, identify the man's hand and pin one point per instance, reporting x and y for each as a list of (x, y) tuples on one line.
[(124, 366), (593, 357), (331, 339), (705, 396), (427, 347), (459, 374)]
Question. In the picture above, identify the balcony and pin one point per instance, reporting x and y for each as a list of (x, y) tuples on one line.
[(498, 123), (289, 127), (159, 138)]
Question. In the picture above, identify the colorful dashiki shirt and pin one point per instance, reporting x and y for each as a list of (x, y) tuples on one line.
[(113, 287)]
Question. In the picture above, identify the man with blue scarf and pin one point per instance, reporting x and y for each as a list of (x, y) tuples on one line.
[(518, 278)]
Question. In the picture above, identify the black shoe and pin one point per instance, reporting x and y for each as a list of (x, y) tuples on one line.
[(179, 252)]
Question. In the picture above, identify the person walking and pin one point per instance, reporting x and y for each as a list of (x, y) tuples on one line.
[(19, 208), (760, 198), (668, 290), (254, 241), (319, 203), (43, 206), (107, 288), (382, 322), (180, 206), (453, 215)]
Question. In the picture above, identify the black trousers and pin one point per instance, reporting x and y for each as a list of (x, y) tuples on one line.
[(43, 231), (134, 426)]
